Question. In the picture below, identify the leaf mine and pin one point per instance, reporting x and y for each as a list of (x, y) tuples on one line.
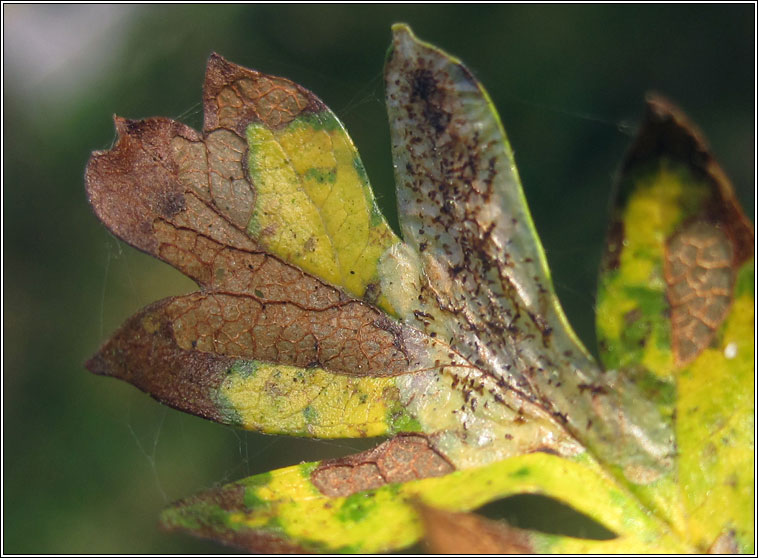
[(679, 240), (194, 200), (699, 280), (159, 189), (401, 459)]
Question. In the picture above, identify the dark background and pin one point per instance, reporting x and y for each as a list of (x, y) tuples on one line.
[(88, 461)]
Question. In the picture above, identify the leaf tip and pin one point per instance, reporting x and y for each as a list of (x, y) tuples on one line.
[(120, 123), (660, 111), (667, 132), (210, 515), (110, 361), (216, 62), (98, 364), (404, 38), (402, 30), (660, 104)]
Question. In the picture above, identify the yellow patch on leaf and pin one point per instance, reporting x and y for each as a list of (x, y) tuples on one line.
[(310, 402), (715, 416), (313, 208)]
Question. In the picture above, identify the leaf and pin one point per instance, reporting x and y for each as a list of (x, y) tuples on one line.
[(314, 319), (164, 189), (482, 274), (285, 503), (681, 248)]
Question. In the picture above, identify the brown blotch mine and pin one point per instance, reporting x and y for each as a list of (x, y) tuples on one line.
[(699, 283), (136, 181), (702, 257), (234, 96), (404, 458), (666, 132)]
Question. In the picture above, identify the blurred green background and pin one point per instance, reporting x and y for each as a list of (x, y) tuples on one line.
[(88, 461)]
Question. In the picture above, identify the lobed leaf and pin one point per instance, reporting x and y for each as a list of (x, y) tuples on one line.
[(278, 299), (154, 189), (314, 319)]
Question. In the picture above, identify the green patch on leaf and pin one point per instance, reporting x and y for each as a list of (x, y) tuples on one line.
[(306, 469), (745, 284), (323, 175), (401, 421), (356, 507), (523, 472), (245, 368), (310, 414), (323, 120), (252, 485)]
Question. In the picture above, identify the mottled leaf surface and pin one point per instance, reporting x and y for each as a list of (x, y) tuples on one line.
[(314, 319), (287, 504), (676, 313), (258, 320)]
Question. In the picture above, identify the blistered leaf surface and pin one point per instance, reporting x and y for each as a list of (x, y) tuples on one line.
[(314, 319)]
